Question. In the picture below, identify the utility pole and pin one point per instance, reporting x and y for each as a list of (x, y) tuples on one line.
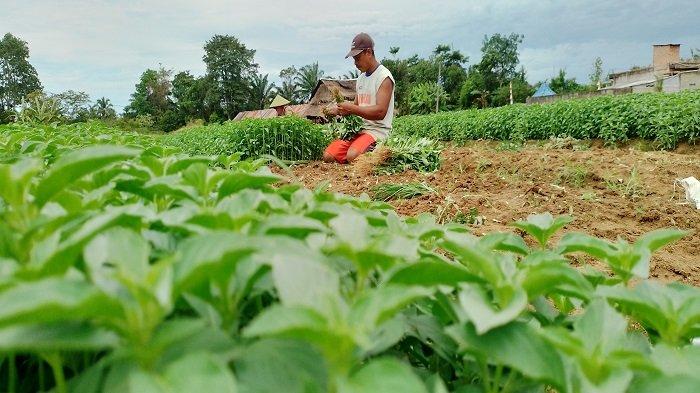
[(439, 84)]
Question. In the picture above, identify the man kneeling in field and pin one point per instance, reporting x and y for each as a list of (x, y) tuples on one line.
[(374, 103)]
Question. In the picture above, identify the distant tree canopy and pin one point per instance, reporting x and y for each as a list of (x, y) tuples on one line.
[(166, 99), (18, 77)]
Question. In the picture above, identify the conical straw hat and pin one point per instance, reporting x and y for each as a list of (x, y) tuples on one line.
[(279, 101)]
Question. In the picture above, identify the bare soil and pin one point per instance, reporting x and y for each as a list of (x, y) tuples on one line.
[(611, 192)]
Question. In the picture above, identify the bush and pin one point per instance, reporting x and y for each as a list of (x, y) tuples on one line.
[(287, 138), (665, 118)]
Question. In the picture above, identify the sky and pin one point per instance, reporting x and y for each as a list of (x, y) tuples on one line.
[(102, 47)]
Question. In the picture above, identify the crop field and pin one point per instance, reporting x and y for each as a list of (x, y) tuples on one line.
[(227, 259), (663, 119)]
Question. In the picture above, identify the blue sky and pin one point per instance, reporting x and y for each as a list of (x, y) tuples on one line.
[(102, 47)]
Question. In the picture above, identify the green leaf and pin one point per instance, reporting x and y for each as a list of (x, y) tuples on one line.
[(386, 375), (214, 255), (673, 310), (65, 255), (74, 165), (54, 299), (379, 304), (291, 225), (430, 274), (655, 383), (55, 337), (517, 345), (274, 365), (474, 256), (673, 361), (16, 178), (505, 242), (481, 311), (118, 250), (238, 181), (294, 322), (654, 240), (183, 163), (199, 372), (542, 226), (554, 277), (302, 279)]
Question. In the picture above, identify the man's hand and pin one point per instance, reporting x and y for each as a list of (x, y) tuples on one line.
[(345, 108), (331, 110)]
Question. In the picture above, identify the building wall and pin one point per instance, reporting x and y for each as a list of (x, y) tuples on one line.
[(672, 84), (664, 55), (690, 80), (646, 88), (633, 76)]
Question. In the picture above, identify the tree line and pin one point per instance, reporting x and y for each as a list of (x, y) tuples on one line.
[(166, 100)]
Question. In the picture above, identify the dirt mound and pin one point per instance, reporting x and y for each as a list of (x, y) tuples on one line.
[(611, 192)]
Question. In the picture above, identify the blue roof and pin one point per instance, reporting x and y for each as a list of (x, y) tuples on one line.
[(544, 91)]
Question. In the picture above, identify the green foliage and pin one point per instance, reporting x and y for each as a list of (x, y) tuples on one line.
[(194, 96), (287, 138), (126, 265), (345, 127), (102, 109), (499, 59), (666, 119), (424, 96), (289, 88), (388, 191), (40, 109), (74, 105), (445, 64), (261, 91), (230, 66), (153, 97), (306, 79), (18, 77), (404, 152), (596, 75), (563, 85)]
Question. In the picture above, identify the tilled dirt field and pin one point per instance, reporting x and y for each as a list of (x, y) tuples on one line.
[(611, 192)]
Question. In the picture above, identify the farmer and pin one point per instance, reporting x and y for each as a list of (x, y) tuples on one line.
[(279, 104), (374, 103)]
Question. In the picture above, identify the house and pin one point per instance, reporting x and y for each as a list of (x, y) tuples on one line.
[(321, 95), (667, 73)]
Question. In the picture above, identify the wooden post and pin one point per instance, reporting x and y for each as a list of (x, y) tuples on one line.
[(511, 92)]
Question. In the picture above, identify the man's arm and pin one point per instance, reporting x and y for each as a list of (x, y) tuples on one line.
[(372, 112)]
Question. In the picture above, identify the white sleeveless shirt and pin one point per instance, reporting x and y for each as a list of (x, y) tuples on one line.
[(367, 88)]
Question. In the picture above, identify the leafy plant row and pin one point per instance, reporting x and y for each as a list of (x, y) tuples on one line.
[(128, 266), (287, 138), (665, 118)]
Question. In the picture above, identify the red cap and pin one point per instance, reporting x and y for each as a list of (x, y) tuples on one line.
[(361, 42)]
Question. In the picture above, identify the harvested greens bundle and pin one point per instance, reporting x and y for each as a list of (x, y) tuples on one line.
[(403, 152), (345, 127)]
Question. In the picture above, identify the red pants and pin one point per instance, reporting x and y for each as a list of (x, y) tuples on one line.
[(361, 143)]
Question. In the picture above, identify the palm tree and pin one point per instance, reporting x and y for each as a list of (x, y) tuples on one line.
[(352, 74), (289, 91), (306, 79), (261, 91), (103, 109)]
